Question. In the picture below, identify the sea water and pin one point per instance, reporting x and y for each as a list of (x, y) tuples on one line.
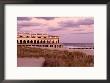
[(79, 45)]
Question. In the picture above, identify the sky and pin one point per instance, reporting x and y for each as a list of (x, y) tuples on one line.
[(70, 29)]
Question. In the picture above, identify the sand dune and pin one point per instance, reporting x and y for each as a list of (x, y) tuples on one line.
[(87, 51), (63, 57), (30, 62)]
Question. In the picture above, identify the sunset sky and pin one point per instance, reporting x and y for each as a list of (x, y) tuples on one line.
[(70, 29)]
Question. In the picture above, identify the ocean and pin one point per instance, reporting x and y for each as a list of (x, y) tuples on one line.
[(79, 45)]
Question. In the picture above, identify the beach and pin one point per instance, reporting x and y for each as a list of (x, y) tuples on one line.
[(54, 57), (30, 62)]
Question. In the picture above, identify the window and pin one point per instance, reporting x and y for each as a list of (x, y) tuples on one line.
[(41, 41), (27, 36), (46, 45), (31, 41), (35, 41), (60, 46), (33, 36), (27, 41), (24, 41), (20, 41), (52, 41), (38, 41), (55, 46), (20, 36), (58, 41), (39, 37)]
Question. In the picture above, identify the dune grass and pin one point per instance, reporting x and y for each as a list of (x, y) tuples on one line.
[(57, 58)]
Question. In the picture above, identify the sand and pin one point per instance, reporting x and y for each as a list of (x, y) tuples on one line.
[(30, 62)]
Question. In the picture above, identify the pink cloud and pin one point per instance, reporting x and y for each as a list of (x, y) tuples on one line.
[(62, 26)]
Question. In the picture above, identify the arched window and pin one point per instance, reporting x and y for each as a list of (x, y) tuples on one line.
[(27, 41), (20, 41), (41, 41), (55, 46), (53, 41), (58, 41), (60, 46), (24, 41), (35, 41), (31, 41)]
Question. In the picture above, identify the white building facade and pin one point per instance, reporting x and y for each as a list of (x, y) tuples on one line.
[(38, 40)]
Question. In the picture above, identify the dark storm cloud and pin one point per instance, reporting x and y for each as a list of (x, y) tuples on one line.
[(23, 18), (71, 23), (46, 18)]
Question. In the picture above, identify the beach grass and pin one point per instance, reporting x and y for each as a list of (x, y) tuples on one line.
[(57, 58)]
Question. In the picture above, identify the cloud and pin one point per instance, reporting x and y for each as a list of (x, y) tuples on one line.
[(74, 24), (70, 29), (87, 21), (84, 33), (27, 24), (79, 30), (46, 18), (57, 25), (68, 24), (55, 28), (24, 18)]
